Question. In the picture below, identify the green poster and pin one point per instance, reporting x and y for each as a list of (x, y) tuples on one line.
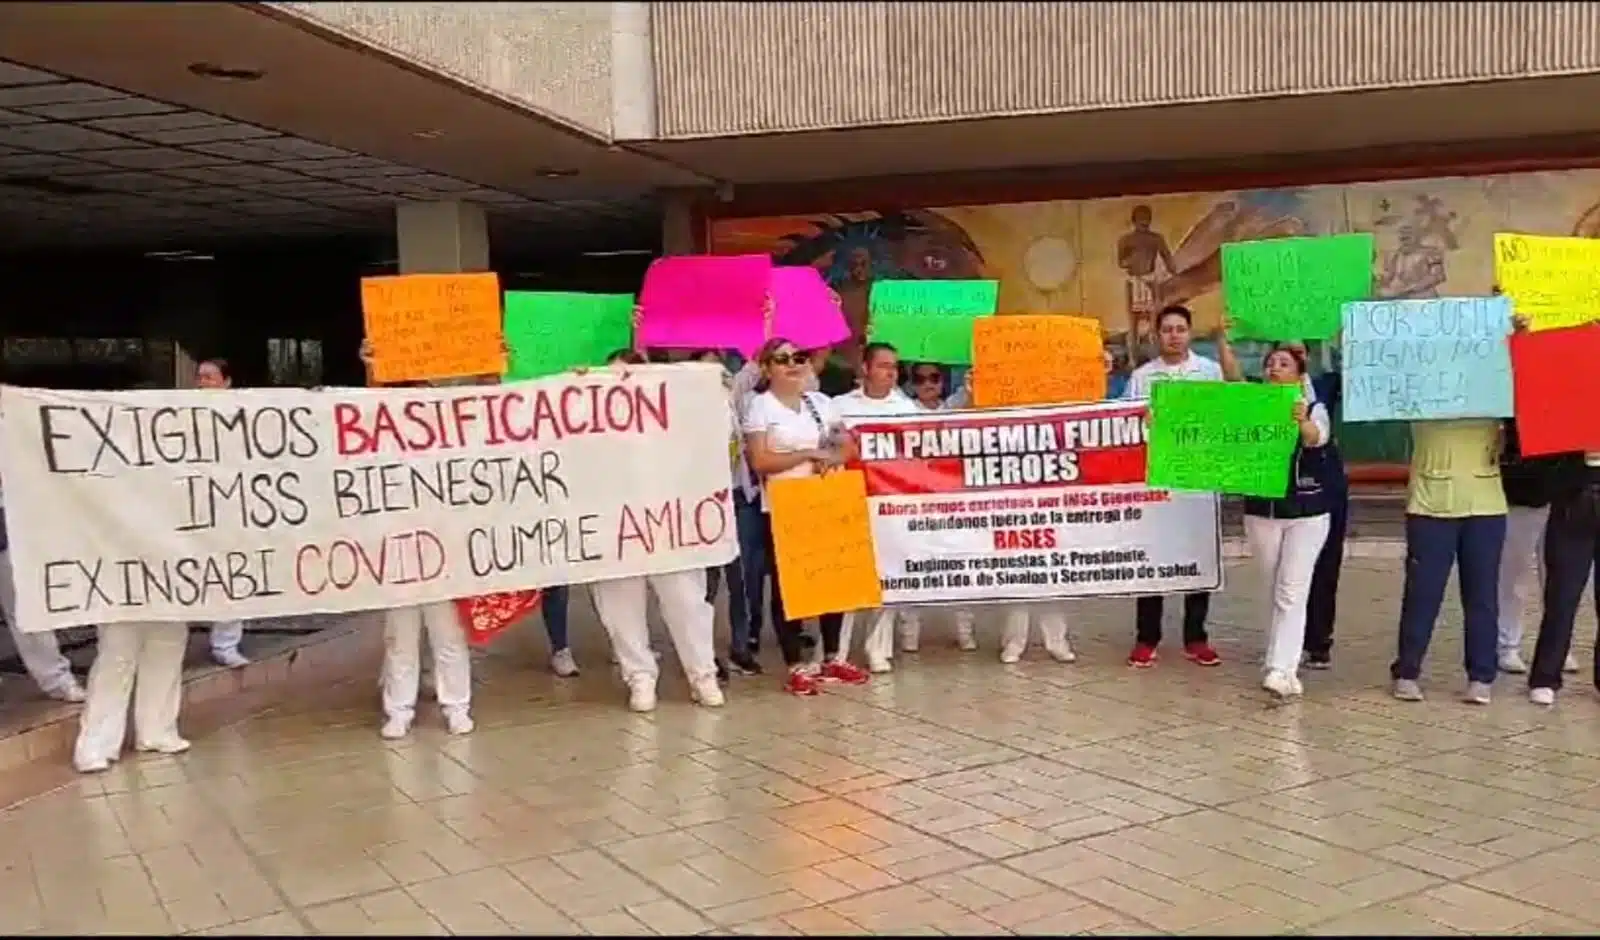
[(930, 321), (1222, 437), (1294, 288), (549, 333)]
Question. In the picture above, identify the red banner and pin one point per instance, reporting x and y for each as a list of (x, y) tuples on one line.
[(1104, 447), (484, 618)]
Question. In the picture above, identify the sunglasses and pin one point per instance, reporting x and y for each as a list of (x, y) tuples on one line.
[(788, 359), (927, 378)]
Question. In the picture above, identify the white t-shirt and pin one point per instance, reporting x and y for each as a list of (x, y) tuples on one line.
[(858, 404), (1193, 367), (789, 430)]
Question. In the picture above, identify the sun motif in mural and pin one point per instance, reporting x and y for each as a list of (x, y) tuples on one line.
[(1050, 263)]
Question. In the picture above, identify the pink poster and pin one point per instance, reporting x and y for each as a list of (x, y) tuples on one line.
[(705, 302), (805, 311)]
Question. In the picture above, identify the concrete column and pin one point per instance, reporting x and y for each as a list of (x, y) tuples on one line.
[(441, 238), (677, 222), (633, 74)]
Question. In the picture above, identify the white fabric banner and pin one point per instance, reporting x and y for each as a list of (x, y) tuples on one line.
[(209, 505), (1027, 504)]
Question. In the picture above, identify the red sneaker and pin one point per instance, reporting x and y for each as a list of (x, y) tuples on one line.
[(837, 670), (1201, 654), (799, 683), (1142, 657)]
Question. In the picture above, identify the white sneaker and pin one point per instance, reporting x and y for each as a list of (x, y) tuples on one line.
[(1062, 653), (1571, 665), (1511, 661), (1545, 697), (705, 692), (98, 765), (458, 721), (1011, 655), (69, 691), (563, 665), (233, 659), (966, 639), (167, 746), (879, 665), (1280, 683), (395, 728), (1477, 693), (642, 695)]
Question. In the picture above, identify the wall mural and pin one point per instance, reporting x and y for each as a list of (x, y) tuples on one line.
[(1122, 259)]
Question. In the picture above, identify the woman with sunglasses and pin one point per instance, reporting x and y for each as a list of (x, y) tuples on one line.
[(793, 433), (690, 619), (928, 393)]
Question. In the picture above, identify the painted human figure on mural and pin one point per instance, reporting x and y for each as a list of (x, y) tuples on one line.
[(1415, 268), (854, 251), (1143, 255)]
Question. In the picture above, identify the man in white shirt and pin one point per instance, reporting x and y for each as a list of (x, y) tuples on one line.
[(1176, 361), (877, 395)]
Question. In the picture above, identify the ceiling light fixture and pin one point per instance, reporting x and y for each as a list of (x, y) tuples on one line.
[(554, 173), (224, 74), (434, 134)]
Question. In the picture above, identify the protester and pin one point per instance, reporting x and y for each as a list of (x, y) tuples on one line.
[(793, 433), (1455, 516), (691, 620), (1527, 482), (1287, 535), (733, 572), (40, 652), (1175, 361), (401, 673), (226, 635), (928, 385), (878, 395), (1323, 603), (142, 661), (1571, 550), (751, 523)]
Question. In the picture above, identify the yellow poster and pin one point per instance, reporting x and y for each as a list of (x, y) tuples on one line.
[(823, 538), (433, 326), (1037, 360), (1552, 282)]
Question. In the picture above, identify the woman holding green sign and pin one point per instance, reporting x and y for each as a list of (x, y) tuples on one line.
[(1287, 535)]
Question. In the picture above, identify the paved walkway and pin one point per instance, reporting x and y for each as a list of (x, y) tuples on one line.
[(957, 795)]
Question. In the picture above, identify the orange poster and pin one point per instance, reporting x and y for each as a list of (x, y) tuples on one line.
[(1037, 360), (433, 326), (823, 538)]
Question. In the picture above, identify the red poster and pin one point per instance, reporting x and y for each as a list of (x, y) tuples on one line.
[(484, 618), (1557, 381)]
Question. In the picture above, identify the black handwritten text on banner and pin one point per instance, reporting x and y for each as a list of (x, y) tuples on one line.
[(1026, 504), (197, 505)]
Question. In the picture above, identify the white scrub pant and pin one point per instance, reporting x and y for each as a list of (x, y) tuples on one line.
[(621, 604), (878, 645), (1286, 550), (1052, 619), (1524, 542), (39, 652), (402, 659), (226, 635), (911, 626), (142, 661)]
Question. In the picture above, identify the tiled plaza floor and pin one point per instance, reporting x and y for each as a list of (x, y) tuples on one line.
[(957, 795)]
